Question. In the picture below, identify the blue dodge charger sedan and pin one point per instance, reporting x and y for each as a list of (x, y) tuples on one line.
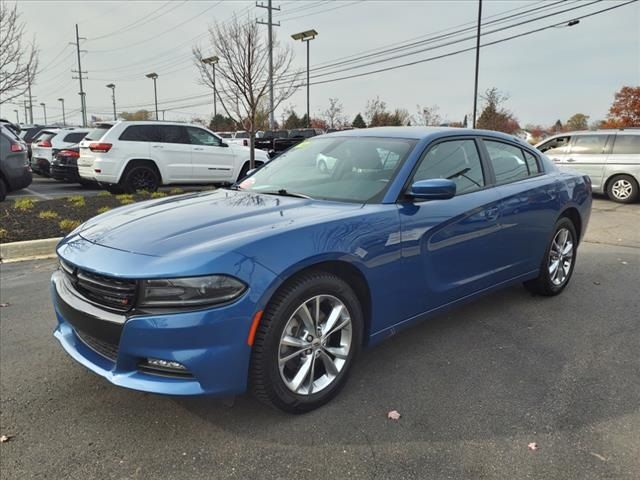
[(276, 283)]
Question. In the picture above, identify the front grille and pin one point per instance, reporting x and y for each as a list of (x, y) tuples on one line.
[(106, 349), (112, 293)]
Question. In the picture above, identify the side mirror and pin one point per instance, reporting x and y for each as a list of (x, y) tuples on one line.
[(250, 172), (222, 144), (433, 189)]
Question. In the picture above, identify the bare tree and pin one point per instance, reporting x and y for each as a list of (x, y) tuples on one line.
[(428, 116), (334, 115), (242, 72), (18, 61)]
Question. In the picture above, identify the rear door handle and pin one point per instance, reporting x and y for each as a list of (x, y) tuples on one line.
[(158, 146), (491, 213), (198, 148), (570, 160)]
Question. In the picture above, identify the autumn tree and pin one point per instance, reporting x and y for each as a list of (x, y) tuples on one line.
[(334, 114), (494, 116), (18, 58), (625, 110), (242, 72), (579, 121), (293, 121), (358, 122), (138, 115), (558, 127), (221, 123), (428, 116)]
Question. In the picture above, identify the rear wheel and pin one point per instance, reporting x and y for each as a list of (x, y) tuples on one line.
[(558, 262), (306, 343), (140, 177), (623, 189)]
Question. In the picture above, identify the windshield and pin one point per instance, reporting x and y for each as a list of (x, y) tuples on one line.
[(242, 135), (351, 169)]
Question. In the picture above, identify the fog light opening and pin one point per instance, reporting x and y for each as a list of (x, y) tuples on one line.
[(165, 364)]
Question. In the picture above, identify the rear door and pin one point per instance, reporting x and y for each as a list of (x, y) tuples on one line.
[(624, 157), (527, 207), (452, 243), (557, 149), (210, 160), (588, 154), (172, 153)]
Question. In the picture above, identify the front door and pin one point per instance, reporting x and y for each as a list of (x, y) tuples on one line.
[(587, 154), (173, 153), (212, 162), (451, 243)]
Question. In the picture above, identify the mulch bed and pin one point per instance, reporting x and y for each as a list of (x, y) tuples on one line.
[(17, 224)]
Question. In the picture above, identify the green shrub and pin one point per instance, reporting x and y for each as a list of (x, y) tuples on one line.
[(176, 191), (158, 195), (67, 225), (76, 201), (104, 209), (104, 193), (125, 198), (3, 233), (24, 203), (48, 214)]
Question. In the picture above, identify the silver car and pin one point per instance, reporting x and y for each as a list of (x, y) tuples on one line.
[(610, 157)]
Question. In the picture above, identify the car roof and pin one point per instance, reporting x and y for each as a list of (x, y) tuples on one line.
[(422, 133)]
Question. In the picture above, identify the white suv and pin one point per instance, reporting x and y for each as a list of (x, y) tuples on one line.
[(143, 155), (49, 142)]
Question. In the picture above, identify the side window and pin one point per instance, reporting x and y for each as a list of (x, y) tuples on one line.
[(626, 145), (507, 161), (173, 134), (557, 146), (532, 163), (456, 160), (140, 133), (588, 144), (74, 137), (197, 136)]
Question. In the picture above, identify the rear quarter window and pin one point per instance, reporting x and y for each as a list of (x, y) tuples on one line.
[(74, 137), (140, 133), (626, 145)]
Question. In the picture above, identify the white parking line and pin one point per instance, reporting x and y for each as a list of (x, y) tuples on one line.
[(45, 197)]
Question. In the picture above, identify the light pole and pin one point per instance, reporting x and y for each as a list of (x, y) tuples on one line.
[(306, 36), (475, 88), (154, 77), (44, 109), (112, 86), (212, 61), (64, 120), (17, 116)]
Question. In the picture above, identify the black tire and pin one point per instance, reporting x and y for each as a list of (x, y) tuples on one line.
[(265, 378), (545, 284), (622, 189), (3, 190), (140, 177)]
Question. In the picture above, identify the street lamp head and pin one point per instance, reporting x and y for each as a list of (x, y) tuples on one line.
[(211, 60), (42, 104), (152, 75), (111, 85), (305, 36), (61, 99)]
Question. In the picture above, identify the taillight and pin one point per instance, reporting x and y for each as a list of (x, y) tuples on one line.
[(100, 147), (45, 143), (245, 142), (17, 147), (69, 153)]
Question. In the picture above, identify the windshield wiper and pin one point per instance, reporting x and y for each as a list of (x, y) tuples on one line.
[(462, 173), (283, 193)]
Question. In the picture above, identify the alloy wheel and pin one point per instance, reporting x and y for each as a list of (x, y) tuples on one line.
[(622, 189), (560, 257), (315, 345)]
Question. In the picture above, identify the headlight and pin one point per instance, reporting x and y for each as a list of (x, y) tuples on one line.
[(191, 291)]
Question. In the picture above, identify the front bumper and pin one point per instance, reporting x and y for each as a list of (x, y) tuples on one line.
[(40, 165), (211, 344)]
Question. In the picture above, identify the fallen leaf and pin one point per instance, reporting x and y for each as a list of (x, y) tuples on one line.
[(393, 415), (624, 263), (533, 446), (596, 283), (5, 438), (2, 305)]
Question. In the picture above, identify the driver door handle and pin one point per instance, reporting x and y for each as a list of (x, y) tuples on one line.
[(570, 160), (198, 148)]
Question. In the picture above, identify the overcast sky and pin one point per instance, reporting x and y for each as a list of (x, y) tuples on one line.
[(548, 75)]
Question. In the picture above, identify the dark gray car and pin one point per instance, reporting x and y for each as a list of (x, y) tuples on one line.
[(14, 163)]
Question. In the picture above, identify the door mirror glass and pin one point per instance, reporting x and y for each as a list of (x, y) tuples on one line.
[(223, 144), (433, 189)]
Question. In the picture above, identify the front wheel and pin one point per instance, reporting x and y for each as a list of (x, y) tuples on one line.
[(558, 262), (623, 189), (306, 343)]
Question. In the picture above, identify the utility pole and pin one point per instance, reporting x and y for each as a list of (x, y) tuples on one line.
[(17, 116), (44, 109), (83, 103), (26, 117), (30, 98), (270, 24), (475, 88)]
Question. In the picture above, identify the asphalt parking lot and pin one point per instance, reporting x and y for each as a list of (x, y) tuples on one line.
[(474, 388)]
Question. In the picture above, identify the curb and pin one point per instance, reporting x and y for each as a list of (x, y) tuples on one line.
[(28, 250)]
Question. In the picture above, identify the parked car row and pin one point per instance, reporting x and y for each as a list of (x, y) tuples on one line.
[(14, 162), (274, 142)]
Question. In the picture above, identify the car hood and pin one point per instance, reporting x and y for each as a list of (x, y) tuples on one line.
[(205, 221)]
